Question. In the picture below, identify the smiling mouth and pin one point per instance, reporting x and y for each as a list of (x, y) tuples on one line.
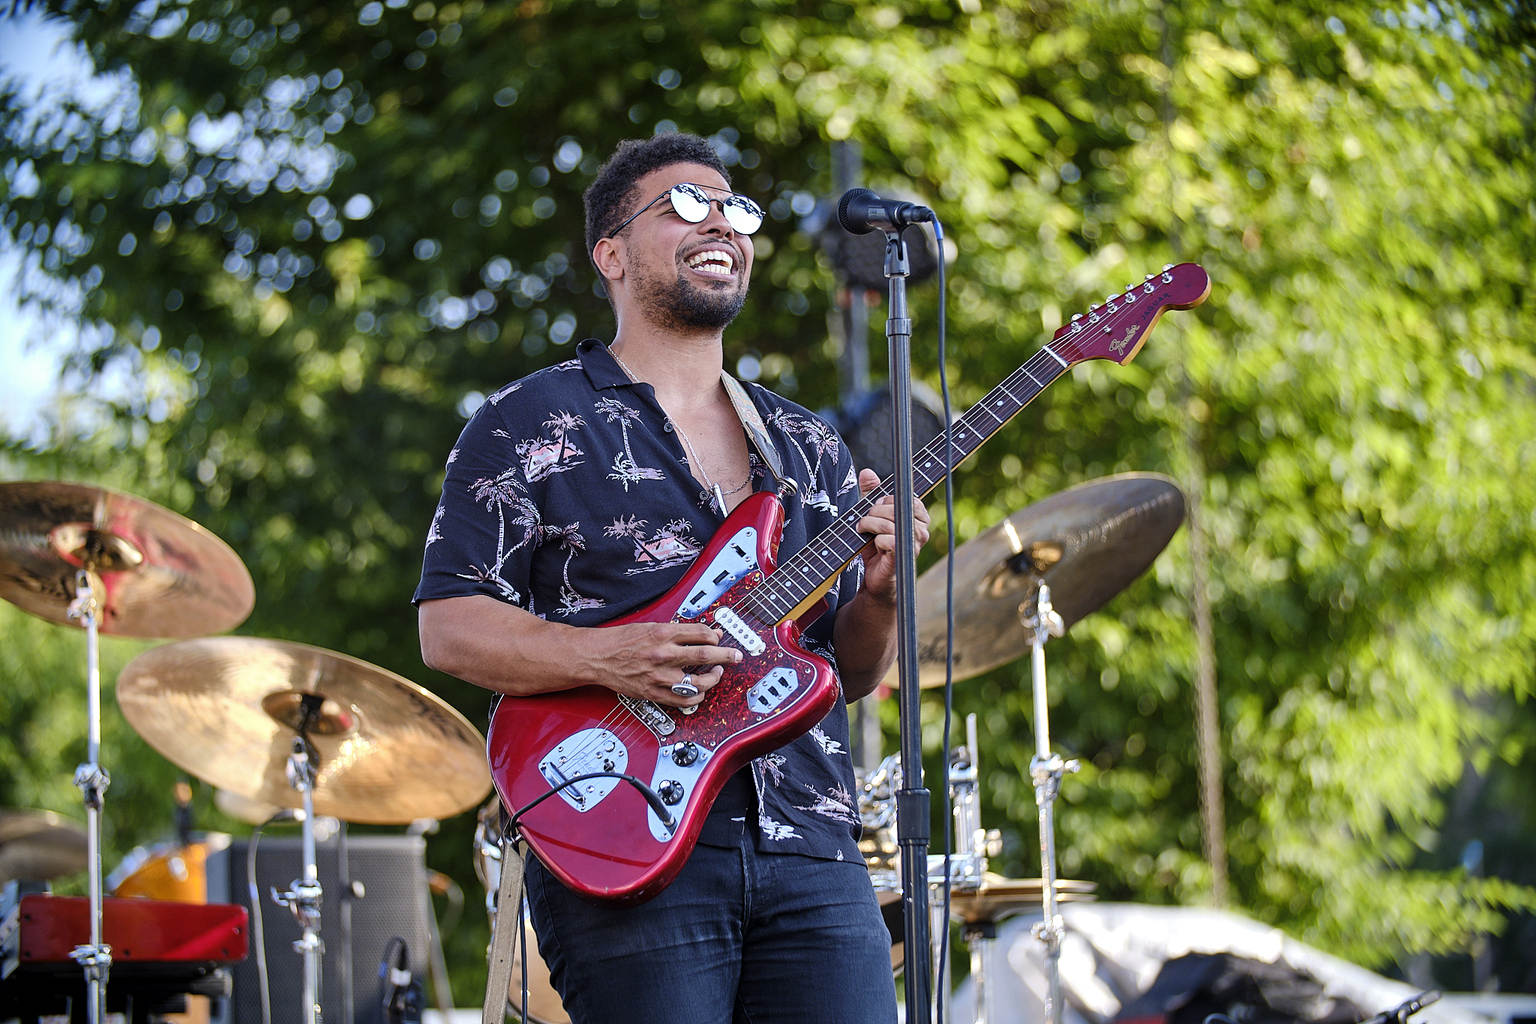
[(712, 261)]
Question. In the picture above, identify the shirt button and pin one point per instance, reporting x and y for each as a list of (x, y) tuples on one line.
[(667, 426)]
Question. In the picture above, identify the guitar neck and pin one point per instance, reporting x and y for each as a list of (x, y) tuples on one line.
[(810, 570)]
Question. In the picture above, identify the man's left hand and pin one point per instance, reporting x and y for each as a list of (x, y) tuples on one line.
[(880, 554)]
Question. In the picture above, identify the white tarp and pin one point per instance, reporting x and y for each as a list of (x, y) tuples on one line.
[(1113, 952)]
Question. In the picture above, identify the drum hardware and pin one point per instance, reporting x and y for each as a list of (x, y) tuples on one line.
[(304, 896), (1046, 769)]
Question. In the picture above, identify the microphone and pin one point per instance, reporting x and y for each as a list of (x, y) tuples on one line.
[(860, 211)]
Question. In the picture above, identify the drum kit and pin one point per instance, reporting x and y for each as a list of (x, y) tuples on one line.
[(1016, 585), (276, 724), (273, 724)]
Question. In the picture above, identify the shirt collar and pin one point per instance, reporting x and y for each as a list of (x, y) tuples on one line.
[(602, 370)]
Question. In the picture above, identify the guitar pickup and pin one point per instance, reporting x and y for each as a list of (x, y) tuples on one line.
[(772, 690), (739, 631)]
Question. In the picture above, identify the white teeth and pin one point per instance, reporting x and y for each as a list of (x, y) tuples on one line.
[(713, 259)]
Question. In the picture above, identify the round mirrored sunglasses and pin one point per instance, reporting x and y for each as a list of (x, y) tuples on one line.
[(692, 203)]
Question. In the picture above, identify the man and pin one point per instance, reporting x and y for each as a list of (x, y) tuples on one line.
[(582, 492)]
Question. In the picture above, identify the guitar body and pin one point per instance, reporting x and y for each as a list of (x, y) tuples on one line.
[(600, 837)]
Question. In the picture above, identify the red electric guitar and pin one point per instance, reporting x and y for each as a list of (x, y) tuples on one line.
[(600, 836)]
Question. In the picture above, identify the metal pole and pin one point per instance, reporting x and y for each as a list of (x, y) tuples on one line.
[(912, 800), (92, 780), (305, 895), (1046, 769)]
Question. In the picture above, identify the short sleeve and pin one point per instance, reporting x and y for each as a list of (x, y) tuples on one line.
[(487, 524)]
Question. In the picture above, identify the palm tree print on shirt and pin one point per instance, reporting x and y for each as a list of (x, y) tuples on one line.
[(502, 495), (571, 600), (822, 441), (624, 468), (665, 547), (544, 457)]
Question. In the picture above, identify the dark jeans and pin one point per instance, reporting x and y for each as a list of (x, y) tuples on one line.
[(737, 937)]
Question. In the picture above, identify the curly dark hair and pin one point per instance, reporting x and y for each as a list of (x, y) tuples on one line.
[(613, 195)]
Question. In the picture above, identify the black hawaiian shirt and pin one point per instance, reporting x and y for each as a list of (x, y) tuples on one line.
[(568, 495)]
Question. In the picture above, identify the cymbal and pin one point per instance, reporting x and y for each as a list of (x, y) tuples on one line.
[(1000, 897), (1086, 543), (226, 709), (161, 575), (36, 846)]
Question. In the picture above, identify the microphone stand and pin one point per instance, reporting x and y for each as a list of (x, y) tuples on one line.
[(912, 800)]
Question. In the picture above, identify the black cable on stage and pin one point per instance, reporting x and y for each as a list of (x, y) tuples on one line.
[(949, 611), (257, 932)]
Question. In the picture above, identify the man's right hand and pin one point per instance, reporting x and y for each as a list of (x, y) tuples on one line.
[(503, 648), (646, 659)]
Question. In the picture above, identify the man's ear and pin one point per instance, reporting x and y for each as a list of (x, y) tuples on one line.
[(608, 257)]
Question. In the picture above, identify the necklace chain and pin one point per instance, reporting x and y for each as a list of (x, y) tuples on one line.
[(709, 485)]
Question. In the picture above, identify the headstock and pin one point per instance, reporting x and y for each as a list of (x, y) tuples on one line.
[(1118, 328)]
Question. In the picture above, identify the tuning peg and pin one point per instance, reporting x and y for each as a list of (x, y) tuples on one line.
[(1129, 288), (1112, 298), (1093, 307), (1167, 266), (1077, 316), (1149, 277)]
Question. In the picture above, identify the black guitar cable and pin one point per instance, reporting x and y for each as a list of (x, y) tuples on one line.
[(667, 821)]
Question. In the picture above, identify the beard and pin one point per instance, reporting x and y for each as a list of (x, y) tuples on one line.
[(680, 305)]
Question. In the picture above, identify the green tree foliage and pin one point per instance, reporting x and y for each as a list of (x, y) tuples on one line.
[(317, 233)]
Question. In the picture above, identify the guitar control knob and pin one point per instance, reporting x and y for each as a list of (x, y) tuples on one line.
[(684, 754), (671, 792)]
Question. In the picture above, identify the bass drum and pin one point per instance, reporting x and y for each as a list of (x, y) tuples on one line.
[(544, 1005)]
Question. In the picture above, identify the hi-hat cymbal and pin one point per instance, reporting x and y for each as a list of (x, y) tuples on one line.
[(1086, 543), (36, 846), (161, 575), (998, 897), (226, 709)]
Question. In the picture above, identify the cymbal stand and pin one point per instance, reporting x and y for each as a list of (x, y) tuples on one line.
[(1047, 769), (92, 780), (973, 845), (970, 858), (303, 898)]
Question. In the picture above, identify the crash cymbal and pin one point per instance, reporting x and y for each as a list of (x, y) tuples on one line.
[(999, 897), (225, 709), (161, 575), (36, 846), (1086, 543)]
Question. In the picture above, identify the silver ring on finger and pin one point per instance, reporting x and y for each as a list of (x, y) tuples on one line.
[(685, 687)]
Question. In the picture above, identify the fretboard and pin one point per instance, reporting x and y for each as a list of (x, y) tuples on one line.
[(805, 572)]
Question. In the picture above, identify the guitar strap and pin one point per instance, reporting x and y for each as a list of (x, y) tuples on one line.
[(505, 934), (752, 420)]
